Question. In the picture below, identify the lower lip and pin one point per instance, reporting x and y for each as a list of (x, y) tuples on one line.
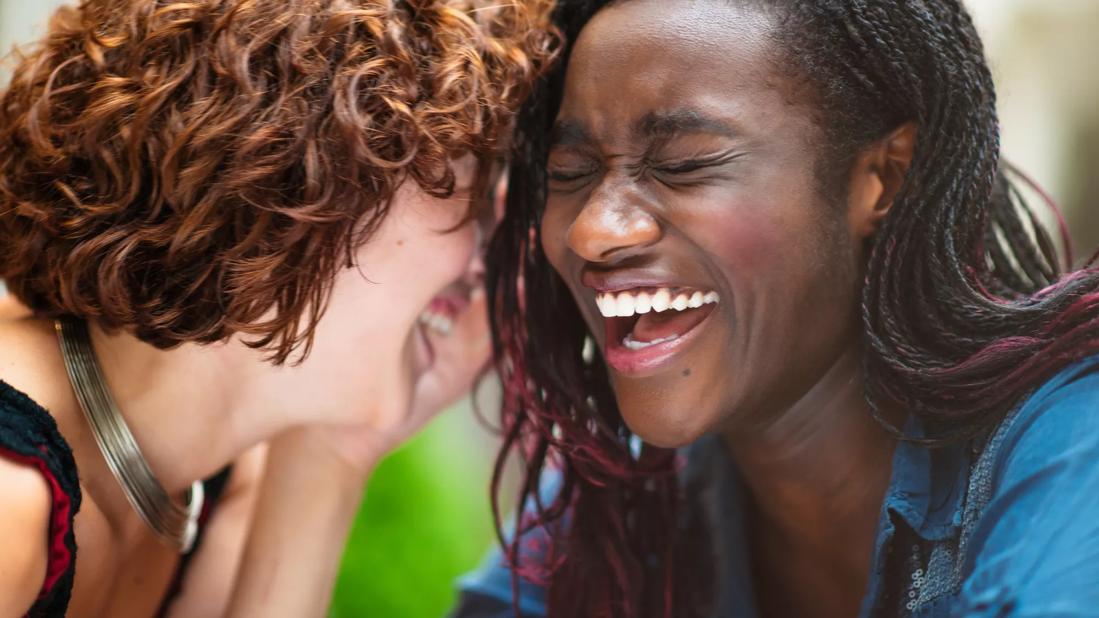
[(652, 359)]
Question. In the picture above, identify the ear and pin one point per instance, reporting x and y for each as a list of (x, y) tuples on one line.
[(876, 178)]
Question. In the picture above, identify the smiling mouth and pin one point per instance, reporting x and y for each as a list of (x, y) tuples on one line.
[(646, 327), (441, 311), (437, 320)]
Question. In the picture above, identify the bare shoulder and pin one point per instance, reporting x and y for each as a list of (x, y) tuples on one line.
[(30, 361), (25, 506)]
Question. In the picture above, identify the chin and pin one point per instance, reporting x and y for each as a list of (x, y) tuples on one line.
[(664, 430)]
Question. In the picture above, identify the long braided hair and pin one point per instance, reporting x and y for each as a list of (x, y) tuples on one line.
[(965, 306)]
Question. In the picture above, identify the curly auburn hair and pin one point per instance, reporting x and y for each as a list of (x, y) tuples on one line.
[(193, 170)]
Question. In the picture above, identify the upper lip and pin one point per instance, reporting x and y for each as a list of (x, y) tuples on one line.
[(622, 280)]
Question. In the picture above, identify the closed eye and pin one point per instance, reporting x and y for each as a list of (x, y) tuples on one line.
[(566, 179), (683, 167), (567, 175), (686, 166)]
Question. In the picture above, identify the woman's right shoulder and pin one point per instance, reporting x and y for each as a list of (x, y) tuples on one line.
[(25, 508), (31, 363), (40, 482)]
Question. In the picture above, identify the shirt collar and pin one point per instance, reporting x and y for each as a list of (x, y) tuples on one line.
[(928, 484)]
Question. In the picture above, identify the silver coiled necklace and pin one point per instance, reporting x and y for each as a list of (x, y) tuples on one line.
[(175, 524)]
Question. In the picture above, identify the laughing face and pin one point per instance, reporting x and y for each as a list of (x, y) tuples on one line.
[(686, 216), (405, 327)]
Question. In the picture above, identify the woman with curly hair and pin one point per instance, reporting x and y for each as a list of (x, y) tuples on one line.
[(779, 232), (234, 222)]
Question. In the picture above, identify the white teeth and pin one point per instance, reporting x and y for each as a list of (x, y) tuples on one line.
[(606, 304), (661, 300), (436, 322), (443, 324), (625, 305), (632, 344)]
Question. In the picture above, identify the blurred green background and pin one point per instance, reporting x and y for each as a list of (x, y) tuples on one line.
[(425, 521)]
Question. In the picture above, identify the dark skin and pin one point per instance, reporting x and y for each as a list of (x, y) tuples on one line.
[(685, 156)]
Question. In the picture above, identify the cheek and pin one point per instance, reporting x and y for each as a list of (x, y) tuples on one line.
[(553, 232), (789, 267), (401, 268), (428, 263), (747, 246), (427, 253), (771, 230), (748, 237), (554, 229)]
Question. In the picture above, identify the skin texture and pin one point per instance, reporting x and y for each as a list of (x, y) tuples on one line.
[(706, 176), (368, 383), (26, 510)]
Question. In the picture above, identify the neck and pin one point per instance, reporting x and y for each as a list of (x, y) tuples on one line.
[(192, 409), (819, 470)]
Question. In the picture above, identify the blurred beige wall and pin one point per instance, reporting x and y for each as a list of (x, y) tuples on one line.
[(20, 21), (1044, 56)]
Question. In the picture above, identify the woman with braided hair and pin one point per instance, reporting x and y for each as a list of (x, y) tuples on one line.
[(789, 342)]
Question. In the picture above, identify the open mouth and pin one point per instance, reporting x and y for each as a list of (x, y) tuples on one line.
[(645, 327), (441, 311), (437, 319)]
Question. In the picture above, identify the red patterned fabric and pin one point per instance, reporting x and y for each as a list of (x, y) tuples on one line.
[(29, 436), (60, 558)]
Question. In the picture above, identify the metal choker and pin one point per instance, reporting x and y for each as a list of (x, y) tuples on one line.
[(175, 524)]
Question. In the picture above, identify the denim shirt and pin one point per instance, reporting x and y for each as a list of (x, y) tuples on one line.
[(1006, 524)]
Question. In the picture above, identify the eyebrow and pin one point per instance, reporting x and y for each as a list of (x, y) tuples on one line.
[(654, 125), (682, 121), (567, 134)]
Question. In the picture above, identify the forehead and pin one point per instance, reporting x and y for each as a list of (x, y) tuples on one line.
[(701, 24), (641, 57)]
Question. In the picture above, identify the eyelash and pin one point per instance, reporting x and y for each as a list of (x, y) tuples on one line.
[(568, 176), (691, 165), (681, 167), (684, 167)]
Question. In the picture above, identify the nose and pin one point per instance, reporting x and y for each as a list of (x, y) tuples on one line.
[(610, 229)]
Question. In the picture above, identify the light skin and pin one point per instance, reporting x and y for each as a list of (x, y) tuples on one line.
[(298, 536), (706, 178), (372, 379)]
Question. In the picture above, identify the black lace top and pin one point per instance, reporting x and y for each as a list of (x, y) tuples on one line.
[(29, 435)]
